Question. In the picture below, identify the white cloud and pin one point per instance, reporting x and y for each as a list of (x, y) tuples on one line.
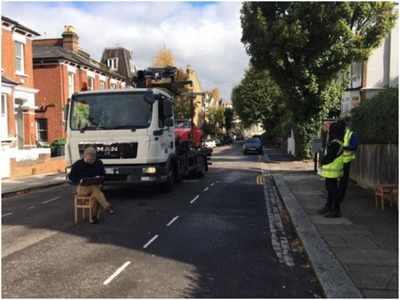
[(207, 36)]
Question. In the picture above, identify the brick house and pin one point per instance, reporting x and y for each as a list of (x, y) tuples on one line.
[(17, 107), (60, 69)]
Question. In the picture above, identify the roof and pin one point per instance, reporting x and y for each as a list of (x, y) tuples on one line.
[(51, 53), (18, 25), (124, 61), (4, 79)]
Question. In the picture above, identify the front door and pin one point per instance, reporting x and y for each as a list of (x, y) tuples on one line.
[(3, 117)]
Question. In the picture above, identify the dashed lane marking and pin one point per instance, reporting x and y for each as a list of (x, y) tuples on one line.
[(6, 214), (116, 273), (149, 242), (212, 184), (172, 221), (194, 199), (51, 200), (31, 207), (206, 189)]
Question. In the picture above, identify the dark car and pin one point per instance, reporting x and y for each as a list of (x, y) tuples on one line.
[(253, 145)]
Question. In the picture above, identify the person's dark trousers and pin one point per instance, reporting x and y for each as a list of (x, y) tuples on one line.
[(331, 185), (344, 180)]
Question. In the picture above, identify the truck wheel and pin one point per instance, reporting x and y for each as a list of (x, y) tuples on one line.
[(202, 170), (167, 186)]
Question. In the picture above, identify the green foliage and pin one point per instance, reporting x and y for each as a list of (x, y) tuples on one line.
[(228, 115), (257, 99), (216, 120), (58, 143), (305, 45), (376, 119)]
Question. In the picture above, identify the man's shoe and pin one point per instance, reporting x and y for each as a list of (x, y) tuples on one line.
[(333, 214), (111, 211), (94, 221), (323, 210)]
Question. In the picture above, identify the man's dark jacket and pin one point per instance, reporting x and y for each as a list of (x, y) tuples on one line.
[(80, 170)]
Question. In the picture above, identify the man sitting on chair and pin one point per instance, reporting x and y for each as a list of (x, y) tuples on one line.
[(90, 167)]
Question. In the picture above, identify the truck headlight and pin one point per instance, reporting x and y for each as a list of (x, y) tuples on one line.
[(149, 170)]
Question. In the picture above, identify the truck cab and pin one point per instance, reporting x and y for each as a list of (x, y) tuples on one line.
[(132, 131)]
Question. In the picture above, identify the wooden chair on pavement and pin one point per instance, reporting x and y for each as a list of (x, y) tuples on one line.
[(385, 191), (83, 203)]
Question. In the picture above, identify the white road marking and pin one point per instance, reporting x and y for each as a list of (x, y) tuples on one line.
[(120, 269), (149, 242), (31, 207), (51, 200), (7, 214), (212, 184), (206, 189), (172, 221), (194, 199)]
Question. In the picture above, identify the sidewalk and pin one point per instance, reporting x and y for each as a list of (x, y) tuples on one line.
[(361, 247), (22, 184)]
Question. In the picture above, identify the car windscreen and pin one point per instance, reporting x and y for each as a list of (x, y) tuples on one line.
[(253, 141), (110, 111)]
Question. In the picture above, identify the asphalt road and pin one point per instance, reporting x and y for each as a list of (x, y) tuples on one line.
[(210, 237)]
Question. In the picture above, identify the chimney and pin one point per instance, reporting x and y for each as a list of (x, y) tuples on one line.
[(70, 38)]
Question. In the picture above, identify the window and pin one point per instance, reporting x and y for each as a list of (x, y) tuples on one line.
[(113, 86), (102, 85), (90, 83), (112, 63), (70, 84), (19, 57), (3, 117), (41, 126)]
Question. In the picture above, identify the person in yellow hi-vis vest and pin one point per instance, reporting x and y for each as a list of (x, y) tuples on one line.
[(350, 144), (332, 170)]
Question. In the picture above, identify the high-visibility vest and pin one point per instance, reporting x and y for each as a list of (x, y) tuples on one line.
[(335, 168), (348, 155)]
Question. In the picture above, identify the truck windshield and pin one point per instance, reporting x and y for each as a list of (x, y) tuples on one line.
[(110, 111)]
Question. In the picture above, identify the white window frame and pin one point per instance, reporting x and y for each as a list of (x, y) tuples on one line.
[(90, 83), (22, 57), (112, 63), (102, 85), (37, 130), (4, 116), (71, 90)]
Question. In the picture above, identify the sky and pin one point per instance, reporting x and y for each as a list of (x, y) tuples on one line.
[(205, 35)]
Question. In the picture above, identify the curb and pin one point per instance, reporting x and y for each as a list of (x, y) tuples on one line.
[(334, 280), (29, 189)]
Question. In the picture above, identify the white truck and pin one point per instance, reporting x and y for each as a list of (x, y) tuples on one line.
[(133, 133)]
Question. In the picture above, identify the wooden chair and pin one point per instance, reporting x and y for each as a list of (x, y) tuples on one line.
[(385, 191), (83, 203)]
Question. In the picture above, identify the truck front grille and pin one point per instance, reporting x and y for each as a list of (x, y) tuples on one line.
[(111, 151)]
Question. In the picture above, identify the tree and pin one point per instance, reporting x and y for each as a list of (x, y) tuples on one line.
[(163, 58), (215, 120), (258, 99), (305, 45), (228, 116)]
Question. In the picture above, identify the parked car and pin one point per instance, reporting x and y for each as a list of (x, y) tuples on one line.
[(210, 143), (253, 145)]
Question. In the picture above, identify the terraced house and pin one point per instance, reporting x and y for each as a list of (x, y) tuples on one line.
[(17, 107), (62, 68)]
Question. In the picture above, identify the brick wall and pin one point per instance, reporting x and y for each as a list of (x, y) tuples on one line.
[(11, 116), (8, 59), (8, 54), (45, 164), (50, 82)]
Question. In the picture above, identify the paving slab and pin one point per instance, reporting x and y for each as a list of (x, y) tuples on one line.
[(372, 277), (379, 294)]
